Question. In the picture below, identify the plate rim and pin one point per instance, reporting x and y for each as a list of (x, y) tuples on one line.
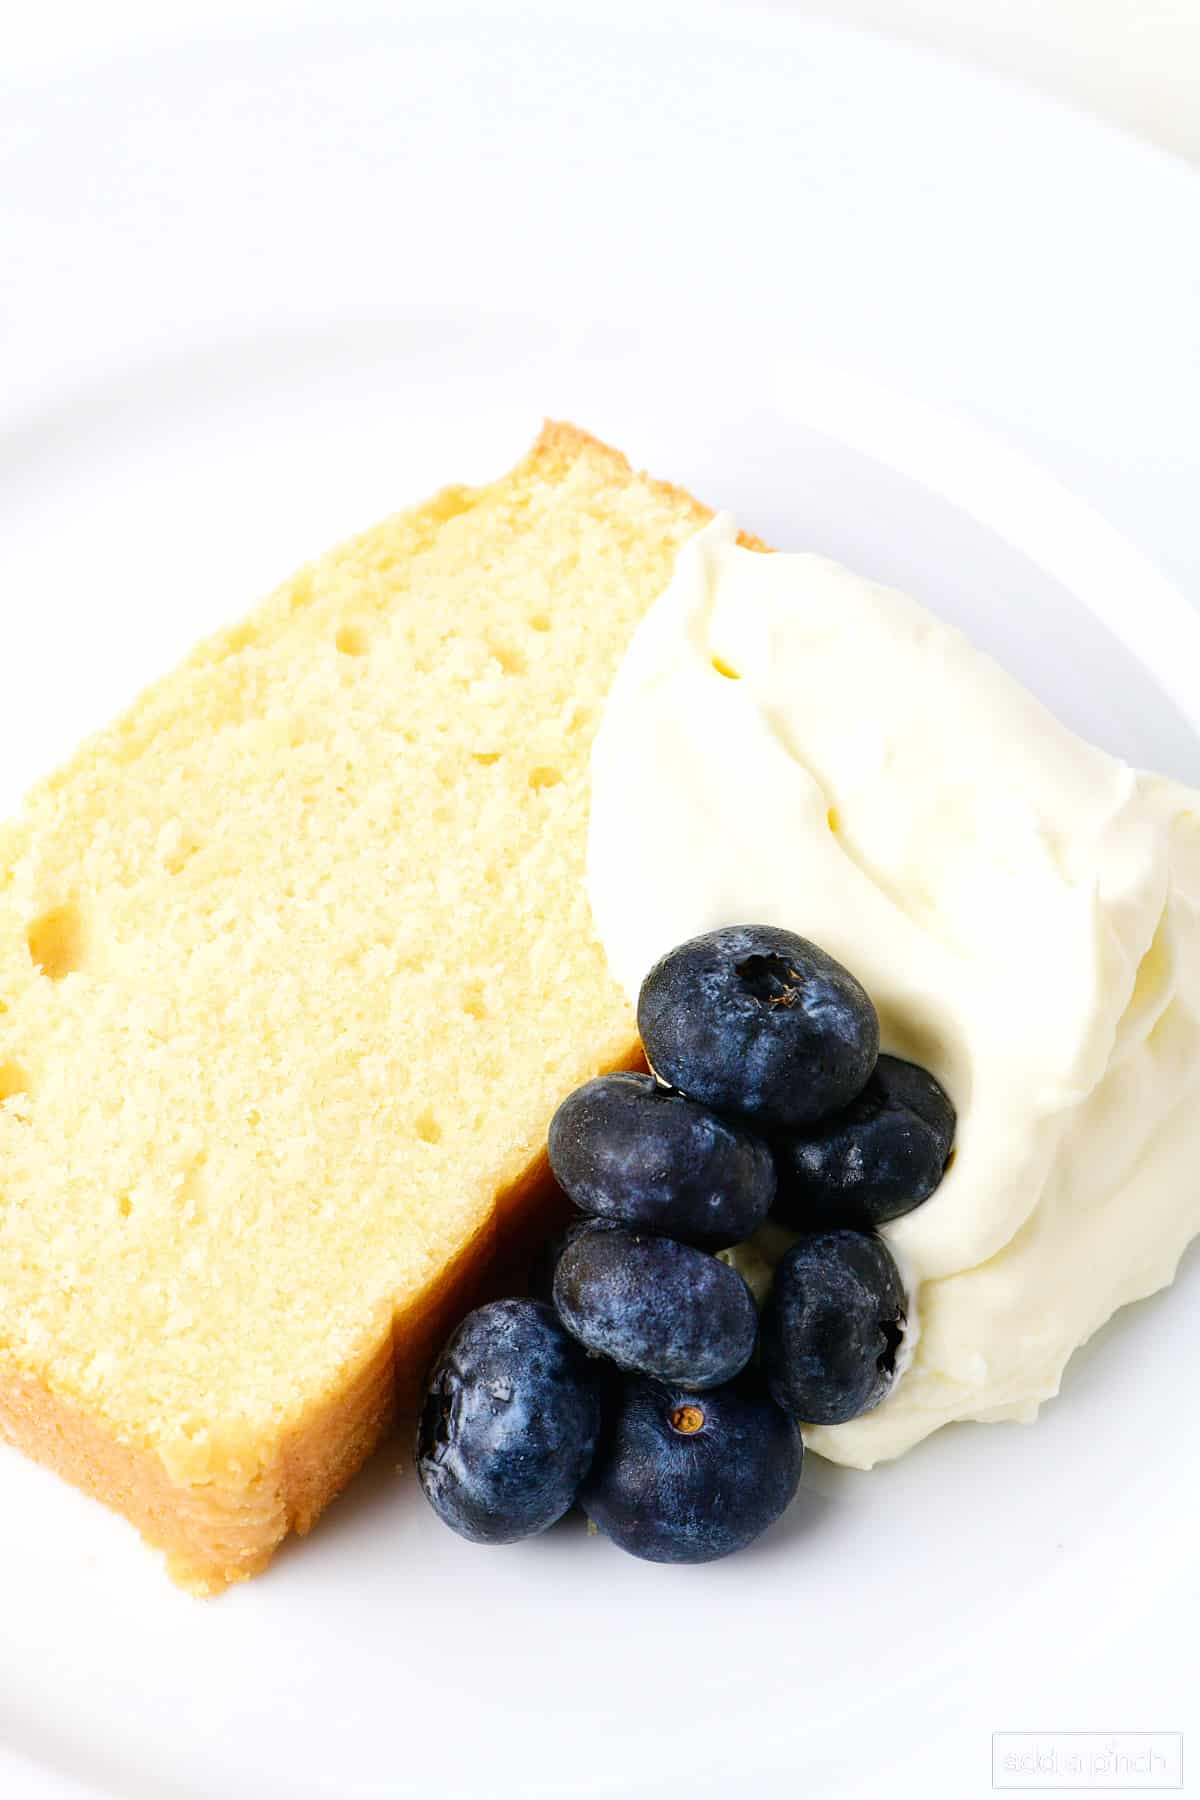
[(56, 1783)]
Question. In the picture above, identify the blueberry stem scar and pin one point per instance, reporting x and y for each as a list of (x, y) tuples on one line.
[(687, 1419), (770, 978)]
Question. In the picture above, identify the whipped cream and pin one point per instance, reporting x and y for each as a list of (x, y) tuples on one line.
[(788, 744)]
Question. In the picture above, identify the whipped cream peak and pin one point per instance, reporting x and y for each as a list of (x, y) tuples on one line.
[(786, 743)]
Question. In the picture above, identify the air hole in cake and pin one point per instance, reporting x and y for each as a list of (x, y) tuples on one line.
[(302, 592), (192, 1194), (544, 778), (540, 622), (124, 1206), (351, 640), (723, 668), (473, 1001), (13, 1081), (239, 637), (178, 851), (56, 941), (428, 1129), (486, 757), (510, 660)]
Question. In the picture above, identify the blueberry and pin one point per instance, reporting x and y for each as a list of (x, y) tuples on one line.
[(651, 1304), (873, 1161), (625, 1148), (545, 1261), (832, 1326), (685, 1478), (508, 1424), (758, 1023)]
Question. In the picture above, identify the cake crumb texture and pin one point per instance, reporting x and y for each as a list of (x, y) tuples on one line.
[(295, 964)]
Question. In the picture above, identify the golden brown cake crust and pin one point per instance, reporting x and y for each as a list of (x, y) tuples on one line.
[(561, 444), (215, 1533)]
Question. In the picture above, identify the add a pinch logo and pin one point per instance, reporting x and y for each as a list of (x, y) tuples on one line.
[(1098, 1761)]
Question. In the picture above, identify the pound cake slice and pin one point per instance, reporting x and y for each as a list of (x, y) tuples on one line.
[(295, 965)]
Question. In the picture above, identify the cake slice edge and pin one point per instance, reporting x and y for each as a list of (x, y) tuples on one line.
[(218, 1529)]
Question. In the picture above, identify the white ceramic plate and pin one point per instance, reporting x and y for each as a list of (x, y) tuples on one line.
[(257, 292)]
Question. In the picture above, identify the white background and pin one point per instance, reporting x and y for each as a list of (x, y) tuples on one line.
[(1135, 62), (189, 372)]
